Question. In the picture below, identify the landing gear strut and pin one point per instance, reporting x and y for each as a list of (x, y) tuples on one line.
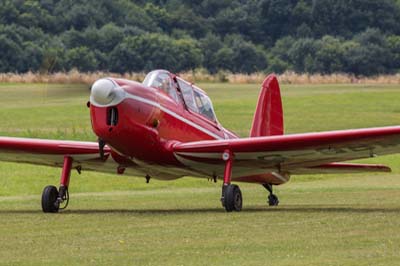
[(53, 198), (231, 197), (272, 198)]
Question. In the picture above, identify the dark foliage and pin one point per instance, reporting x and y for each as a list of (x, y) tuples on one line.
[(325, 36)]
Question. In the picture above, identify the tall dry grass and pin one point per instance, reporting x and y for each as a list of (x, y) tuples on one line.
[(72, 76), (199, 75)]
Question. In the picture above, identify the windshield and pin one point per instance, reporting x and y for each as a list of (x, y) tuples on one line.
[(204, 105), (187, 93), (195, 99), (161, 79)]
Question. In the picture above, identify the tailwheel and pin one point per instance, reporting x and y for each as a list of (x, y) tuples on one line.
[(232, 198), (272, 198), (50, 201)]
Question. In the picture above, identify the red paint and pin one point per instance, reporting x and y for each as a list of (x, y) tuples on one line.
[(297, 141), (268, 117), (227, 156), (135, 134), (66, 171), (43, 146)]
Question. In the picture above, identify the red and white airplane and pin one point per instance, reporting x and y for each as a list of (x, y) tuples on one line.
[(166, 128)]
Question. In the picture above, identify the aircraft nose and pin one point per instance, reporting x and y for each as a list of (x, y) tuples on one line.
[(103, 91)]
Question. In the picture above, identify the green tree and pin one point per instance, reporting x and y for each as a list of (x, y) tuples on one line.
[(73, 38), (247, 58), (125, 57), (210, 45), (8, 12), (393, 43), (279, 60), (187, 54), (369, 54), (235, 35), (329, 58), (302, 54), (182, 18), (151, 51), (31, 57), (81, 58), (240, 19), (159, 15), (276, 19), (10, 55), (224, 58), (282, 47), (126, 13), (345, 18), (53, 57), (210, 8)]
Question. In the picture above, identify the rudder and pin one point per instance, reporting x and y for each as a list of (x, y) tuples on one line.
[(268, 117)]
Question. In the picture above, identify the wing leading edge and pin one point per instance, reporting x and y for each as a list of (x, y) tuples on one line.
[(50, 152), (293, 154)]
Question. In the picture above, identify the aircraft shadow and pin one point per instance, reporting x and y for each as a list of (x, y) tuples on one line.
[(281, 209)]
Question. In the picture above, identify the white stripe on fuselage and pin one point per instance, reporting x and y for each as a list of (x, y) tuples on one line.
[(171, 113)]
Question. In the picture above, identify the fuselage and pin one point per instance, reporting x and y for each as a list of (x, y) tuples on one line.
[(141, 122)]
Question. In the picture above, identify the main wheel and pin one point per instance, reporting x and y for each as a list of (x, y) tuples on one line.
[(273, 200), (49, 199), (232, 198)]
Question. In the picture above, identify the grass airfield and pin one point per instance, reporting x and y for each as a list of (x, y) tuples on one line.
[(118, 220)]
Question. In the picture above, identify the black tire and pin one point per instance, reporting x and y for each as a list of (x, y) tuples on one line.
[(273, 200), (232, 198), (49, 199)]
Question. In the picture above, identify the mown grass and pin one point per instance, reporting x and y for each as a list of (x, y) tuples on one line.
[(118, 220)]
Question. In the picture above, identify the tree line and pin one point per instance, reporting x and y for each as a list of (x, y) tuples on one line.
[(361, 37)]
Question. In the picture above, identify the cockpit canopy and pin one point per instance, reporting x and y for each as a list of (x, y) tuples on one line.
[(194, 98)]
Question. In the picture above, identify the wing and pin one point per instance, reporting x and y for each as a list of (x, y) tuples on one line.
[(51, 153), (274, 158)]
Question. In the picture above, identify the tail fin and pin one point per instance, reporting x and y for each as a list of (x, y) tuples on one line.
[(268, 118)]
